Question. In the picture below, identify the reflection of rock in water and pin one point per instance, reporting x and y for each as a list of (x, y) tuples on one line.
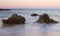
[(17, 30)]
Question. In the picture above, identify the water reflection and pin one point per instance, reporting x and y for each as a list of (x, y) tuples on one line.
[(31, 29)]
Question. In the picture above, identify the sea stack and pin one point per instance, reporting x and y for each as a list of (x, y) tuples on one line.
[(14, 20), (45, 19)]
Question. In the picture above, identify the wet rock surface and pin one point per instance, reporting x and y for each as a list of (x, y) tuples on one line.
[(34, 14), (14, 20), (45, 19)]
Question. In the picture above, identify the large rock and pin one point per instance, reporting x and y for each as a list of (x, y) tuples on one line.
[(34, 14), (45, 19), (14, 19)]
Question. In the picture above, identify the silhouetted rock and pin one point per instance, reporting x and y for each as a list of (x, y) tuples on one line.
[(45, 19), (34, 14), (14, 20)]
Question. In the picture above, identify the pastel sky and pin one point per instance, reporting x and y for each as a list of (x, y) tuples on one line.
[(29, 3)]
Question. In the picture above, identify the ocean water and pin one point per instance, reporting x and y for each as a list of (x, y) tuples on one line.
[(31, 28)]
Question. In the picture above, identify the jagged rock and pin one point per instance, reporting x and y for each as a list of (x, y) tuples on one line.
[(34, 14), (14, 19), (45, 19)]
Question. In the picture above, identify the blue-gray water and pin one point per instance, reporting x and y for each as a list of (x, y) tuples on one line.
[(31, 28)]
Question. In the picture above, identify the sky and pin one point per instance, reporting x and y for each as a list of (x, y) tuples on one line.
[(29, 3)]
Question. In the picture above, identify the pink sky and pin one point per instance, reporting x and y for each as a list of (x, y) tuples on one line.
[(29, 3)]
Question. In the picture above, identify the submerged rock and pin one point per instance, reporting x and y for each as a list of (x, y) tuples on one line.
[(45, 19), (34, 14), (14, 20)]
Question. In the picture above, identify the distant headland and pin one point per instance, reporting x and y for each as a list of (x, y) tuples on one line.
[(5, 9)]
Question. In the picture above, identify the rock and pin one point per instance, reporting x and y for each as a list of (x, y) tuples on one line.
[(34, 14), (14, 20), (45, 19)]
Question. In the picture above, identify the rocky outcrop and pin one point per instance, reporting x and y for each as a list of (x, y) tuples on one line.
[(34, 14), (45, 19), (14, 20)]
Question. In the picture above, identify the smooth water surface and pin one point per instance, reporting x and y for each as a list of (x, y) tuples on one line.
[(31, 28)]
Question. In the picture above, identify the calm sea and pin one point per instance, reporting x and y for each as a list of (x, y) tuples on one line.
[(31, 28)]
